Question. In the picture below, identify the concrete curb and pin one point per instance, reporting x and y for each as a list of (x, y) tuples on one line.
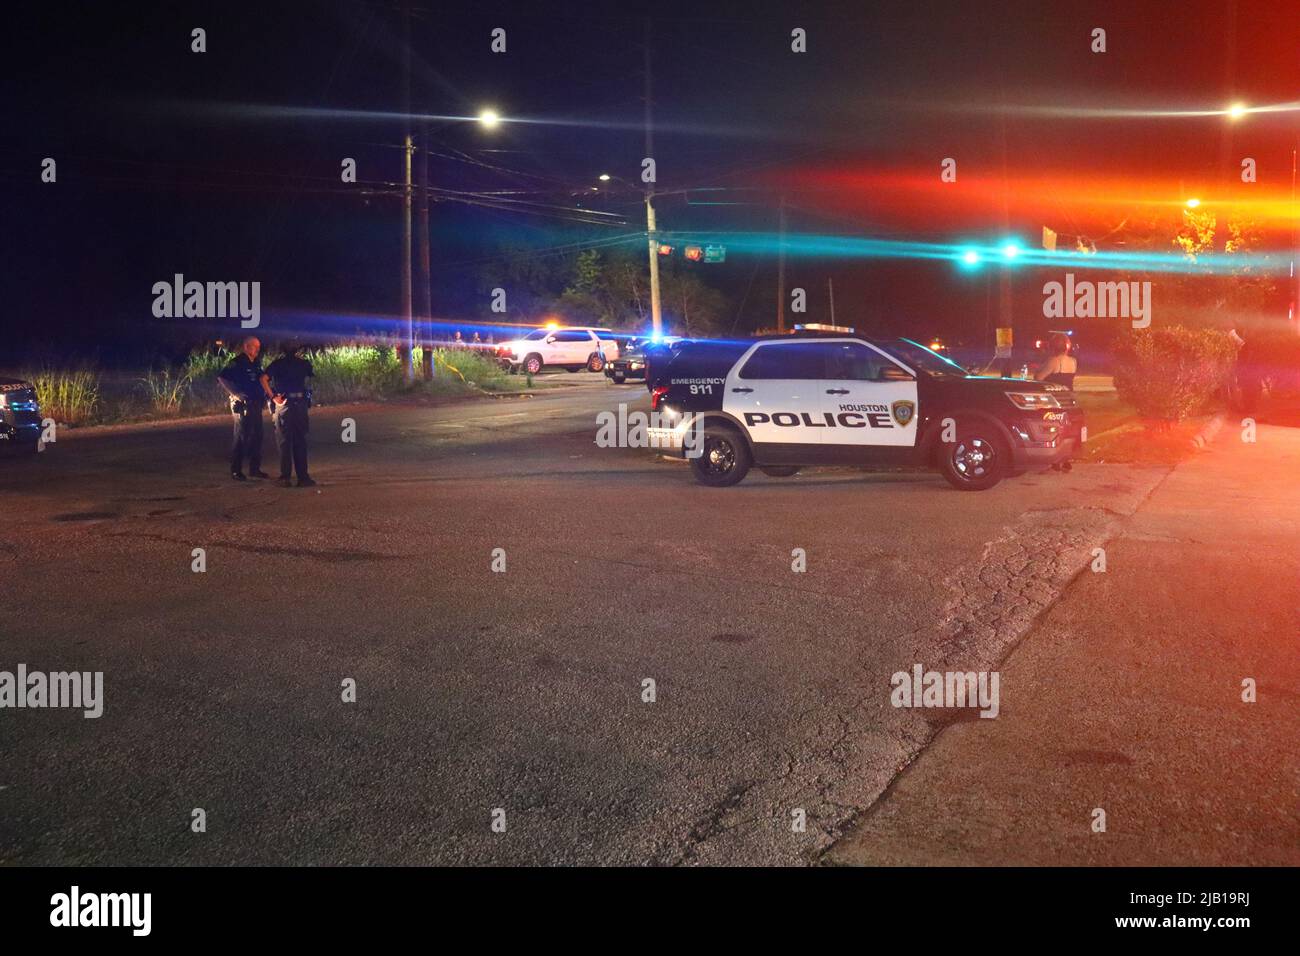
[(1208, 432)]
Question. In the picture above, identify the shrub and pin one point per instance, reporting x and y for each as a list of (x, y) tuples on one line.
[(1172, 372), (69, 397)]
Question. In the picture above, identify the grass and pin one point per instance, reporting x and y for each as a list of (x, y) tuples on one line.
[(1116, 433), (167, 390), (344, 373), (68, 396), (355, 372)]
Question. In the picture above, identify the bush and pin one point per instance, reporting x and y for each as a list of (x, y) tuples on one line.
[(69, 397), (1173, 372)]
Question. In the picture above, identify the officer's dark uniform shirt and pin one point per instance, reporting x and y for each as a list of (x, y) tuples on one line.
[(289, 375), (244, 376)]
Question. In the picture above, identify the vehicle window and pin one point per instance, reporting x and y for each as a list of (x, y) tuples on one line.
[(918, 356), (535, 335), (795, 360), (854, 361), (572, 335)]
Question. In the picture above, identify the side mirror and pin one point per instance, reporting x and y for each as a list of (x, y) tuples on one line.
[(550, 340)]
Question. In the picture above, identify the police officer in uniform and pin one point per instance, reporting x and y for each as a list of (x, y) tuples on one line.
[(244, 379), (291, 399)]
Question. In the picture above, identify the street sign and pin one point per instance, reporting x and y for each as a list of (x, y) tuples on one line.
[(1004, 344), (715, 253)]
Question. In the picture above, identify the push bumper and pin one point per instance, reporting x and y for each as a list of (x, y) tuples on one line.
[(1041, 443)]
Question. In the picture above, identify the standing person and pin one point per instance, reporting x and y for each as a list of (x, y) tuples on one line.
[(1060, 367), (291, 399), (244, 379)]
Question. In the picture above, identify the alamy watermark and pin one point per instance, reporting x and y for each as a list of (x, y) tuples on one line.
[(1085, 299), (208, 300), (129, 910), (923, 688), (664, 429), (75, 689)]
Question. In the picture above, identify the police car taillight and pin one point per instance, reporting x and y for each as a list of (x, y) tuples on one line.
[(656, 396)]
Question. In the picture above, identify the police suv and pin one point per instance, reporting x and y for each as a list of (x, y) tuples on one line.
[(20, 415), (785, 402)]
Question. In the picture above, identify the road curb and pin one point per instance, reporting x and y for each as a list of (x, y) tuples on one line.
[(1208, 432)]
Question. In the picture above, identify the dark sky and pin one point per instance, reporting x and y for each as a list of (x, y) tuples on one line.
[(165, 166)]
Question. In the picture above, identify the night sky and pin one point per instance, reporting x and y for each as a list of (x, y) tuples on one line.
[(168, 161)]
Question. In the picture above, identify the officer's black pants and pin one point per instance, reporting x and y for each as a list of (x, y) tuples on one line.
[(290, 420), (247, 441)]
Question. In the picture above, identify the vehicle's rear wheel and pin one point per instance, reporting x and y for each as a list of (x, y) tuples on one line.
[(977, 460), (596, 363), (725, 460), (619, 378), (573, 368), (533, 364), (780, 471)]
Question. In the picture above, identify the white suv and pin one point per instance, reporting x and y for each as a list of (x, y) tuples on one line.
[(572, 348)]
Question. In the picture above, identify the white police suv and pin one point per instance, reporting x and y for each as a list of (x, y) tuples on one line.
[(786, 402)]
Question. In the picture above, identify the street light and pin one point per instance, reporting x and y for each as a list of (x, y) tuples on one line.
[(604, 177), (1236, 111), (1193, 203), (488, 119)]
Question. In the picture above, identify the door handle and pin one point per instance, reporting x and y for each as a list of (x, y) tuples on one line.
[(837, 391), (742, 389)]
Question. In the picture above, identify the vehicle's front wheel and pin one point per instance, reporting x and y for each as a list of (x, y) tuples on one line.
[(977, 460), (780, 471), (533, 364), (619, 378), (725, 460), (596, 363)]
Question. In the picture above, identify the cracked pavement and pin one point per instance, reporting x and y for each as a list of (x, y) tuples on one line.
[(479, 690)]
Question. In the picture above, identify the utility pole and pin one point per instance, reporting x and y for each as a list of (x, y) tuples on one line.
[(409, 357), (426, 285), (1295, 240), (656, 310), (780, 275)]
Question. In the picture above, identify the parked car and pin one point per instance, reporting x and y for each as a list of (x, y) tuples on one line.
[(20, 415), (573, 348)]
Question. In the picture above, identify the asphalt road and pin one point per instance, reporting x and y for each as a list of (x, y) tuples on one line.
[(479, 690)]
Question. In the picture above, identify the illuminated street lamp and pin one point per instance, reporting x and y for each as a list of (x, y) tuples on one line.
[(604, 177), (1193, 203), (488, 119), (1236, 111)]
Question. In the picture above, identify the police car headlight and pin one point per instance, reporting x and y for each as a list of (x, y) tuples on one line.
[(1029, 401)]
